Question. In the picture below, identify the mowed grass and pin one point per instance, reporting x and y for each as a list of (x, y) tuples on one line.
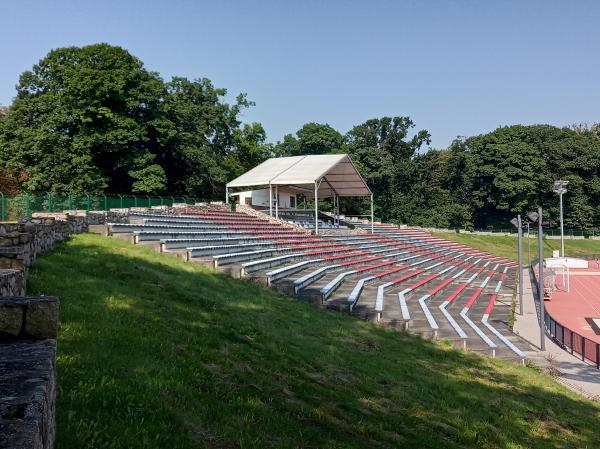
[(506, 246), (157, 353)]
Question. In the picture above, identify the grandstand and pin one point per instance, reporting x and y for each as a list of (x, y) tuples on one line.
[(398, 277)]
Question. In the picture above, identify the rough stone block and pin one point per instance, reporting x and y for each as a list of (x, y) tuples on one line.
[(11, 319), (40, 315), (41, 320), (27, 394)]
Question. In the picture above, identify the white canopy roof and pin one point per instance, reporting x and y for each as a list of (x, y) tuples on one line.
[(335, 173)]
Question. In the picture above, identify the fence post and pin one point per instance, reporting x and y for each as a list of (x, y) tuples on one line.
[(597, 355), (149, 201), (161, 200), (2, 207), (120, 201), (105, 202), (572, 344), (27, 206), (582, 348), (49, 202), (87, 205), (70, 201), (134, 201)]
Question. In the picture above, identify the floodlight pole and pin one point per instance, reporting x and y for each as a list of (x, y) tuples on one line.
[(560, 187), (372, 216), (541, 282), (562, 232), (520, 255), (316, 209)]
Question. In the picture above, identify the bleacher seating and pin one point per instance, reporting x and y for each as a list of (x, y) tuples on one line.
[(400, 277)]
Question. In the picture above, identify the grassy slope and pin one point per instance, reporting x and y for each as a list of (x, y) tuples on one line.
[(157, 353), (507, 246)]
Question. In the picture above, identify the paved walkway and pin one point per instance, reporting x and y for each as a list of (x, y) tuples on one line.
[(573, 372)]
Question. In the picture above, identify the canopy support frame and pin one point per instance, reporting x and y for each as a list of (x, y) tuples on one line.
[(277, 201), (317, 185), (372, 216)]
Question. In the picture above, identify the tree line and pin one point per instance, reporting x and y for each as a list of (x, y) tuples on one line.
[(93, 119)]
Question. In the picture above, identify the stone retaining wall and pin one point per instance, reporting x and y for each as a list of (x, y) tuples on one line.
[(29, 325), (12, 282), (28, 329), (28, 393)]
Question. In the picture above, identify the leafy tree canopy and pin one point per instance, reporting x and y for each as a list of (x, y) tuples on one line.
[(91, 119), (312, 138)]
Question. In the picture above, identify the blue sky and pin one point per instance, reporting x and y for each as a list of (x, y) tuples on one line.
[(455, 67)]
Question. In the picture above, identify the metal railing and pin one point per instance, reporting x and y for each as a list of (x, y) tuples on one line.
[(15, 207), (569, 233), (566, 338), (571, 341)]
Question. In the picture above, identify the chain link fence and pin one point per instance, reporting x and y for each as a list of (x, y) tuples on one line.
[(16, 207)]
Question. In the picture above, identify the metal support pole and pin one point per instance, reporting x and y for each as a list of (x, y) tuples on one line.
[(562, 232), (277, 201), (528, 246), (372, 215), (541, 282), (226, 196), (270, 200), (2, 207), (27, 206), (316, 209), (520, 254)]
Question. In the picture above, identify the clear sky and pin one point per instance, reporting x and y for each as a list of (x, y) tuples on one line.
[(455, 67)]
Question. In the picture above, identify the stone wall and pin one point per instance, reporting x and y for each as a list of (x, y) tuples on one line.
[(12, 282), (28, 393), (29, 325), (28, 330)]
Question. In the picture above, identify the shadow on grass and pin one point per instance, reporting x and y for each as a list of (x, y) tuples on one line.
[(154, 352)]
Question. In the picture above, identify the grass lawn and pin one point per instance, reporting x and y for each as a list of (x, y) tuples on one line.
[(506, 246), (157, 353)]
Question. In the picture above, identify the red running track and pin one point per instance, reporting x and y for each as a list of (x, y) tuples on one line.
[(583, 301)]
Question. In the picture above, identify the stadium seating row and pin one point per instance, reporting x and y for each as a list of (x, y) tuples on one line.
[(400, 277)]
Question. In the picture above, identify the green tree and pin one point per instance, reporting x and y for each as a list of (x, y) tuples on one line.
[(383, 152), (512, 170), (204, 146), (86, 119), (312, 138)]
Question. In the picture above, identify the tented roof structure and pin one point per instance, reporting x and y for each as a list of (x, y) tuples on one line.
[(334, 174)]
